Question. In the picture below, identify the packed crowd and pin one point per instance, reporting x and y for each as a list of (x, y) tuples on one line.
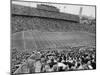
[(56, 61), (20, 23)]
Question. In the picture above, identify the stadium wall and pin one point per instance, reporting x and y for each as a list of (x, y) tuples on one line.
[(27, 18)]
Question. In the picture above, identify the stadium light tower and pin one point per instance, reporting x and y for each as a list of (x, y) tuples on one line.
[(80, 13)]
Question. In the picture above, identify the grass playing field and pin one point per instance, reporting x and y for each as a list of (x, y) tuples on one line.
[(39, 40)]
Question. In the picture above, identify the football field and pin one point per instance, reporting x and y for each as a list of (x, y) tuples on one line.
[(42, 40)]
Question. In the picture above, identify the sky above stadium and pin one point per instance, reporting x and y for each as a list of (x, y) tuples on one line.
[(66, 8)]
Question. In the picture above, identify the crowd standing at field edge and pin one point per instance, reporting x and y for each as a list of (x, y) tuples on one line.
[(54, 61)]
